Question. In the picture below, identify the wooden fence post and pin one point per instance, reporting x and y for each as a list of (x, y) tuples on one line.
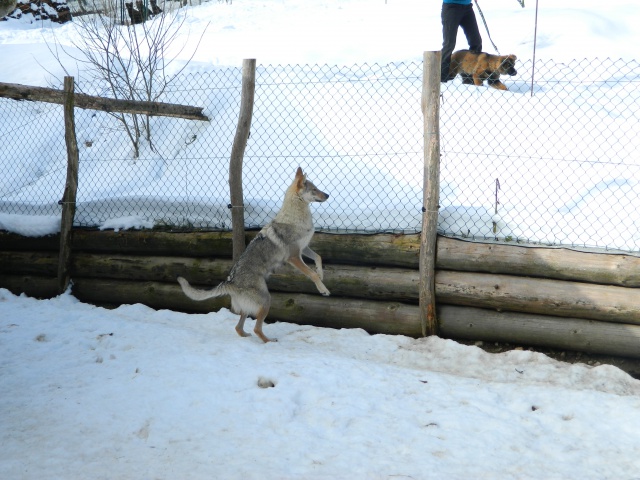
[(431, 190), (68, 201), (237, 155)]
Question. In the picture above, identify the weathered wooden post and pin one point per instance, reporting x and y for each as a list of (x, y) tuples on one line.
[(431, 190), (68, 201), (237, 155)]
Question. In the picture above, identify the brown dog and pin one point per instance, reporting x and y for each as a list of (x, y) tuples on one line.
[(475, 68)]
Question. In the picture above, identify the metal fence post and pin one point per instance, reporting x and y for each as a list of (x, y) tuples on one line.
[(431, 190)]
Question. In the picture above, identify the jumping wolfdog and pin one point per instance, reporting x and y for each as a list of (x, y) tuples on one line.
[(283, 240), (475, 68)]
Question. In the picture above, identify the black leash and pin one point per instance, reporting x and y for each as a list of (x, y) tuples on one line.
[(485, 24)]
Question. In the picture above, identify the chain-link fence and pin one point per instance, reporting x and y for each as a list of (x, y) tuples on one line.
[(555, 163)]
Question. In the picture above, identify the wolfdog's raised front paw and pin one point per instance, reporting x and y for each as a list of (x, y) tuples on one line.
[(324, 290)]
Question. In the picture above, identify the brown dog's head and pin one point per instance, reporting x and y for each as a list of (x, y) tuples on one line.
[(508, 65)]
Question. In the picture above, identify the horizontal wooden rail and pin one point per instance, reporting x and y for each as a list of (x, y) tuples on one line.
[(381, 283), (541, 296), (608, 303), (51, 95), (577, 334), (376, 250)]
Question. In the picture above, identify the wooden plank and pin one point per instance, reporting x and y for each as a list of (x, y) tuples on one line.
[(540, 296), (582, 335), (71, 187), (431, 190), (237, 156), (558, 263), (90, 102)]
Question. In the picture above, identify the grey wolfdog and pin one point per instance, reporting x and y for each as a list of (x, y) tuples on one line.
[(283, 240)]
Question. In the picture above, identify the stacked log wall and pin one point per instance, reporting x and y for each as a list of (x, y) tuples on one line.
[(545, 297)]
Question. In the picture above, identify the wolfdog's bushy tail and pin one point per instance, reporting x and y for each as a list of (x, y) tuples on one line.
[(196, 294)]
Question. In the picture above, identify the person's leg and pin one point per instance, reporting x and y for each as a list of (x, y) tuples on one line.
[(470, 28), (451, 15)]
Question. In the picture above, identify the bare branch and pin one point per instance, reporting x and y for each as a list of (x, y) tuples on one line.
[(129, 61)]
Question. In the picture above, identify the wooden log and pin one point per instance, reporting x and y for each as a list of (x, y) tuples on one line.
[(153, 294), (379, 250), (431, 190), (375, 317), (582, 335), (40, 263), (392, 284), (123, 267), (559, 263), (237, 156), (31, 285), (550, 297), (383, 250), (13, 241), (149, 242), (71, 186), (204, 272), (391, 318), (371, 283), (51, 95), (540, 296)]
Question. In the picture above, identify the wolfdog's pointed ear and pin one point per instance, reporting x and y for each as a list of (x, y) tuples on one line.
[(300, 177)]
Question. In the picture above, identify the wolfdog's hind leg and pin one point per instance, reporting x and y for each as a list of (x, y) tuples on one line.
[(262, 314), (240, 326)]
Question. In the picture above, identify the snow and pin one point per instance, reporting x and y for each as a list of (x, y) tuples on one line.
[(136, 393), (126, 223), (30, 226)]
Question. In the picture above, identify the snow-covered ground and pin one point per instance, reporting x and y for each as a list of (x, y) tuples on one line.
[(135, 393)]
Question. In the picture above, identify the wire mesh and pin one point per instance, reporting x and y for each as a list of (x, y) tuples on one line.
[(553, 163)]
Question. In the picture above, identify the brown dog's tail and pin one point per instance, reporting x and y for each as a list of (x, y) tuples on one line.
[(199, 295)]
